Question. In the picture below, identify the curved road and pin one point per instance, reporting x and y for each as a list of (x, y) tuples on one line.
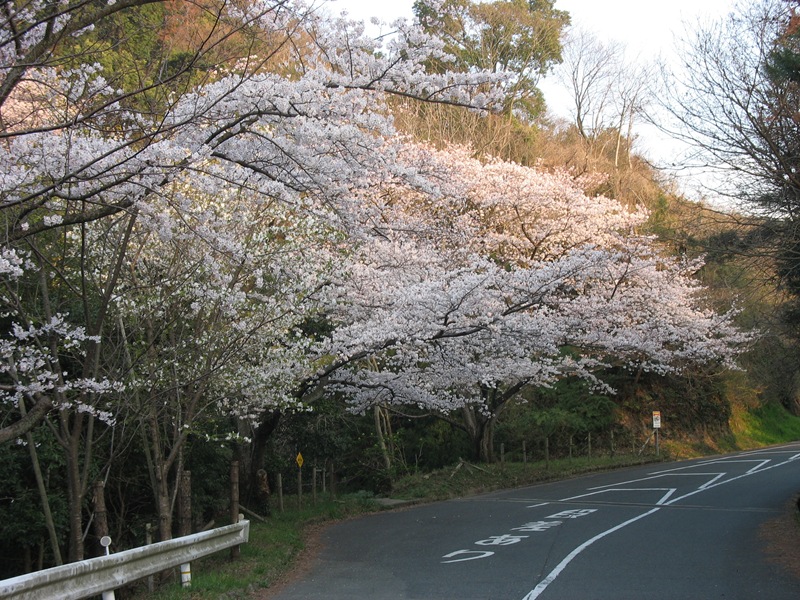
[(685, 530)]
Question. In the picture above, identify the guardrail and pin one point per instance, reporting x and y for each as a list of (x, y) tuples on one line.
[(101, 575)]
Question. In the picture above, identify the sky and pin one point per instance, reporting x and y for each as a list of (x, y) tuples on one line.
[(647, 29)]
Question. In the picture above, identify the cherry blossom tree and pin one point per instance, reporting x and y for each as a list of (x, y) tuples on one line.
[(210, 313), (92, 173), (503, 277), (305, 140)]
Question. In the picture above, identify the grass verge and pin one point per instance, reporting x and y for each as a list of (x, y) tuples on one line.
[(768, 424), (270, 553)]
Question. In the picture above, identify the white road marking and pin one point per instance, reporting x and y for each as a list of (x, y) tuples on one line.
[(712, 481), (664, 498), (714, 477), (551, 577), (536, 592), (761, 464)]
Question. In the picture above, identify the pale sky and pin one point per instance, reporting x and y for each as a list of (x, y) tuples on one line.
[(646, 28), (642, 25)]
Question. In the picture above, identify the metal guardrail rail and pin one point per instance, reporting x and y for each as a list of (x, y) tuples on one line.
[(95, 576)]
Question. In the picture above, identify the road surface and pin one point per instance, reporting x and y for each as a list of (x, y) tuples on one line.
[(685, 530)]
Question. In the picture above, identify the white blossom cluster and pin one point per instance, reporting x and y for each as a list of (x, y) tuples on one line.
[(504, 275), (317, 132), (31, 365)]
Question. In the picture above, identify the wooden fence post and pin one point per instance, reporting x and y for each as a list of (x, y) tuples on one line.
[(280, 491), (314, 485), (611, 435), (100, 514), (299, 488), (185, 505), (547, 452), (235, 501)]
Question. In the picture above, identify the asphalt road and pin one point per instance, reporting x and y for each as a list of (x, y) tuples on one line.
[(685, 530)]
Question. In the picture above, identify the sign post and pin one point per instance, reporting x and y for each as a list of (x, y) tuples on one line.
[(299, 461), (656, 427)]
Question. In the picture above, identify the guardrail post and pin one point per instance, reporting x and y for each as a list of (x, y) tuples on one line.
[(105, 542), (186, 575)]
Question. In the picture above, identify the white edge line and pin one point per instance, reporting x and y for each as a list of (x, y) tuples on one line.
[(537, 591)]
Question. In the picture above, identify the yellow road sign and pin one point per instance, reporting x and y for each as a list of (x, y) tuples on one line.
[(299, 460)]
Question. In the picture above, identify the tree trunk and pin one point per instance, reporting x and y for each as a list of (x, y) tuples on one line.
[(76, 489), (258, 451), (480, 430), (381, 435), (160, 479), (479, 426), (164, 510), (487, 442), (37, 471)]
